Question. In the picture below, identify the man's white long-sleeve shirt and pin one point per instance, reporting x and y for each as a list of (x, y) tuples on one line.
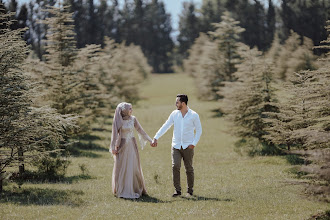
[(183, 133)]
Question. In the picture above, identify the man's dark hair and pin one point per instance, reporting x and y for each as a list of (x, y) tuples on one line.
[(183, 98)]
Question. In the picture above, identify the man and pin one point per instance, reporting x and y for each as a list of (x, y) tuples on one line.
[(184, 140)]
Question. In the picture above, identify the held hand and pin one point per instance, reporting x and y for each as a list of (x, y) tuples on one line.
[(154, 143), (191, 146), (114, 152)]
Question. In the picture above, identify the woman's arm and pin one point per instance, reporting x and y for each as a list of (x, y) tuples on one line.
[(139, 128)]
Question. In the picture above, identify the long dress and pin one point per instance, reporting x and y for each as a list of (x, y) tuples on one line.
[(127, 176)]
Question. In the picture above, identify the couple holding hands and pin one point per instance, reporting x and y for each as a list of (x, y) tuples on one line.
[(127, 176)]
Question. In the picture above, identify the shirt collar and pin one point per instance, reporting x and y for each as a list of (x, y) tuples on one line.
[(188, 112)]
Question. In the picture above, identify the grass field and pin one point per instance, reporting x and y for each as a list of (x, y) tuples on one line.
[(227, 185)]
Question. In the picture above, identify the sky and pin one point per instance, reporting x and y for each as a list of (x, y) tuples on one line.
[(175, 8)]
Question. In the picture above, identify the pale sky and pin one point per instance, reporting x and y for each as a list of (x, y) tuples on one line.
[(175, 8)]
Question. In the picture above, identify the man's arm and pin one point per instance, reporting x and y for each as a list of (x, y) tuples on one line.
[(198, 127), (164, 128)]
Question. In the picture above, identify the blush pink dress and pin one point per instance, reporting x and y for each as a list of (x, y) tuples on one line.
[(127, 176)]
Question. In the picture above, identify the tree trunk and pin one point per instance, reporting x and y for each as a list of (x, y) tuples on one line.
[(0, 183), (21, 160)]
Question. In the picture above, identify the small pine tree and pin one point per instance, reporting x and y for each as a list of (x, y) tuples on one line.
[(227, 37), (192, 65), (248, 100), (189, 28), (220, 57), (60, 44), (122, 69), (291, 57), (303, 120)]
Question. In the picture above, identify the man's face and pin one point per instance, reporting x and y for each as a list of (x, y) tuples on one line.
[(178, 104)]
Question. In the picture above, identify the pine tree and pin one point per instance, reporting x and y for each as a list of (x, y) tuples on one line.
[(227, 37), (12, 7), (318, 137), (271, 21), (122, 69), (193, 64), (138, 29), (225, 57), (37, 31), (214, 59), (260, 29), (305, 17), (209, 16), (294, 55), (113, 18), (73, 85), (158, 42), (60, 43), (25, 130), (188, 27), (102, 10), (248, 100), (14, 99), (125, 22), (91, 32), (77, 8), (252, 17), (302, 122)]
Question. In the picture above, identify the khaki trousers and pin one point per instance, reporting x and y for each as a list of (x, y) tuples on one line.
[(187, 156)]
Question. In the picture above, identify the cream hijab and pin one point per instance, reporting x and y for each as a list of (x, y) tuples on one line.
[(121, 114)]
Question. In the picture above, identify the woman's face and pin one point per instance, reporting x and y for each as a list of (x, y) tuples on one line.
[(130, 110)]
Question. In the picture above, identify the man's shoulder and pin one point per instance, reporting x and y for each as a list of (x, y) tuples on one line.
[(175, 112), (193, 112)]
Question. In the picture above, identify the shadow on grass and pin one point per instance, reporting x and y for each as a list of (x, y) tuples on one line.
[(254, 147), (217, 113), (202, 198), (73, 179), (35, 177), (294, 159), (83, 151), (102, 129), (147, 199), (150, 199), (37, 196), (89, 137), (321, 216), (80, 153), (89, 146)]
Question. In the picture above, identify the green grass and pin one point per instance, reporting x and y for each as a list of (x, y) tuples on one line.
[(227, 185)]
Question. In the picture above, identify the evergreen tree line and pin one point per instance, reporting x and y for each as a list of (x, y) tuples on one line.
[(48, 106), (278, 101), (147, 24), (261, 22), (138, 22)]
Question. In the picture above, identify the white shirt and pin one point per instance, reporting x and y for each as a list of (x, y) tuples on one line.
[(183, 133)]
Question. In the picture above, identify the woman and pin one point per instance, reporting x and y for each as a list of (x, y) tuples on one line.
[(127, 176)]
